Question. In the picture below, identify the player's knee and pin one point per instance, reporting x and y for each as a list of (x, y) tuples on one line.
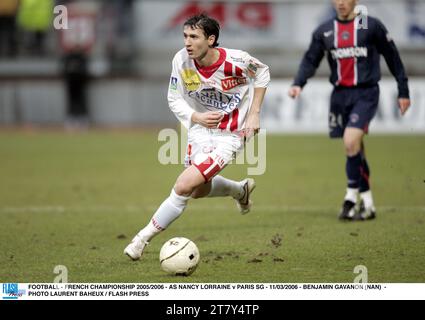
[(352, 146), (184, 187)]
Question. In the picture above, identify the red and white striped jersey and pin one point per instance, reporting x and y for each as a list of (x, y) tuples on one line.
[(226, 86)]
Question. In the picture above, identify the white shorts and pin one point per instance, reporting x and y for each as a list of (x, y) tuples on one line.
[(210, 150)]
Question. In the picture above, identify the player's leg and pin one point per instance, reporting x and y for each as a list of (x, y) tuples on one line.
[(367, 208), (226, 146), (168, 211), (172, 207), (220, 186), (238, 190), (357, 168), (365, 171), (352, 143), (202, 191), (340, 107)]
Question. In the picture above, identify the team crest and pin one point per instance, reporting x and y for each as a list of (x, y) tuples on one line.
[(345, 35), (354, 117), (191, 79)]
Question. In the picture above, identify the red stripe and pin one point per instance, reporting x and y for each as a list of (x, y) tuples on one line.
[(208, 71), (346, 40), (228, 69), (234, 124), (189, 153), (213, 172), (204, 166), (364, 174), (238, 71), (224, 122), (347, 72)]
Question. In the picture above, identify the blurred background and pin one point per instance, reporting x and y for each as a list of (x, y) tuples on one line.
[(111, 66)]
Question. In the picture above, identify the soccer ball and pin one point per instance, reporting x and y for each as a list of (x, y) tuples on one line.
[(179, 256)]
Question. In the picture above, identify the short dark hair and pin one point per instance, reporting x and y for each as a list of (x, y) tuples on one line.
[(210, 26)]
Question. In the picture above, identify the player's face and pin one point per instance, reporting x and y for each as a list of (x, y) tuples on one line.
[(344, 8), (197, 45)]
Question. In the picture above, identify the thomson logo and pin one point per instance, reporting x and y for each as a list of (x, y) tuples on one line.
[(352, 52)]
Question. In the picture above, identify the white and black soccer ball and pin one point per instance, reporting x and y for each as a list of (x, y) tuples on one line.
[(179, 256)]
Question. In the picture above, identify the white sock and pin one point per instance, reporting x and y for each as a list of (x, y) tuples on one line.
[(148, 232), (167, 212), (367, 199), (222, 187), (351, 194)]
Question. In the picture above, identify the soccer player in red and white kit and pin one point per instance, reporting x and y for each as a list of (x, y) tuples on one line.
[(217, 95), (353, 45)]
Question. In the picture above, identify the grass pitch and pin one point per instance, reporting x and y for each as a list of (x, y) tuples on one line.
[(78, 199)]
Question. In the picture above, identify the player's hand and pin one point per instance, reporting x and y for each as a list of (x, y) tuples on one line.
[(294, 91), (252, 125), (208, 119), (403, 104)]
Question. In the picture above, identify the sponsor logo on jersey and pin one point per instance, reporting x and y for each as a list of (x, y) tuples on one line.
[(237, 59), (209, 82), (173, 83), (208, 149), (215, 100), (231, 82), (191, 79), (351, 52)]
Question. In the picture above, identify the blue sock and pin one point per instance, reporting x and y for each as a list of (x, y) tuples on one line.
[(364, 175), (352, 170)]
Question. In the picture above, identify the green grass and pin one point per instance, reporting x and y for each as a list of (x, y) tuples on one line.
[(69, 199)]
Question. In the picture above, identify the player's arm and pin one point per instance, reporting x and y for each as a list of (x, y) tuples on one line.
[(309, 64), (261, 75), (388, 49), (252, 124), (209, 119), (176, 102)]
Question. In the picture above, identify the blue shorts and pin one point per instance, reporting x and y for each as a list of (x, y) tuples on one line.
[(353, 108)]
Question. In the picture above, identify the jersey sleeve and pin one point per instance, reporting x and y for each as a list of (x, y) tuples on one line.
[(311, 60), (176, 102), (388, 49), (257, 71)]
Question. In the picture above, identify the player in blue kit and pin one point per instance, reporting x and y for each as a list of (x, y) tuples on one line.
[(353, 44)]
